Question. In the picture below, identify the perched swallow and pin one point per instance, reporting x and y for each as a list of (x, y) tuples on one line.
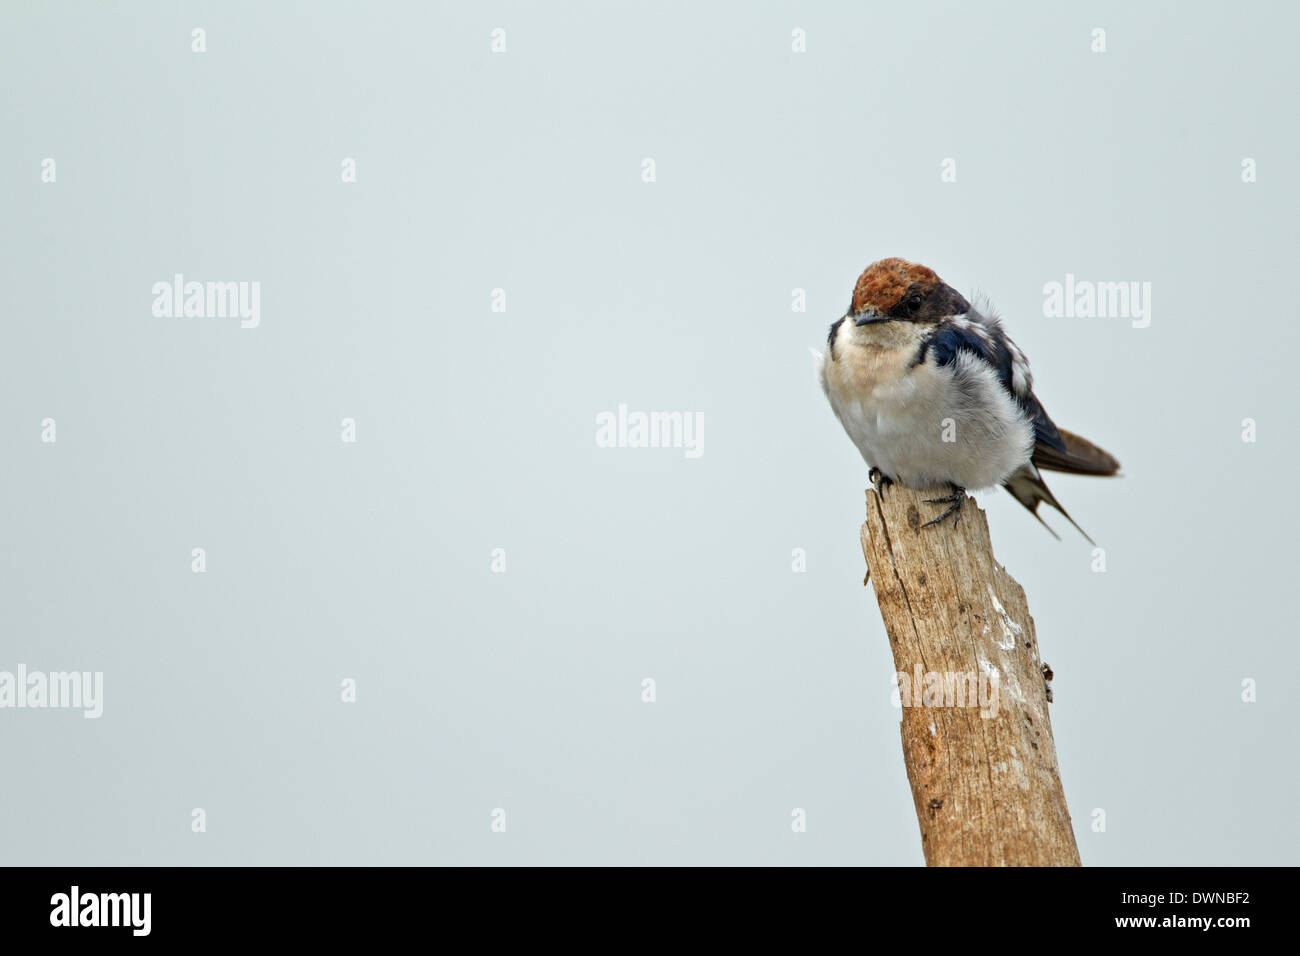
[(934, 394)]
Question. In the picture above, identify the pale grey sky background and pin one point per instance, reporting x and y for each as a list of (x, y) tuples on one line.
[(476, 430)]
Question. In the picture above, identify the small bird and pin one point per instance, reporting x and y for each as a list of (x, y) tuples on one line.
[(935, 395)]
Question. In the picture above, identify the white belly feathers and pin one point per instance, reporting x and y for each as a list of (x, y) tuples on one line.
[(926, 426)]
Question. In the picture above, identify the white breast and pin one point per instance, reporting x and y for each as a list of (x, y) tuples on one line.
[(926, 426)]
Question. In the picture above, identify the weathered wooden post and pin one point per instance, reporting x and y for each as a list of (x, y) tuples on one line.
[(984, 774)]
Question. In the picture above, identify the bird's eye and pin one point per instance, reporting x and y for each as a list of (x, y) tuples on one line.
[(913, 303)]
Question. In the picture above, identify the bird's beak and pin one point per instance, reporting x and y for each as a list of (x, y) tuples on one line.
[(868, 317)]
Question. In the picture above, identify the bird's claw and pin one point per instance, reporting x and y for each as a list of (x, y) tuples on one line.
[(880, 481), (954, 502)]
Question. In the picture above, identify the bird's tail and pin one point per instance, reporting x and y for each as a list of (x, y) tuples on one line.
[(1027, 486)]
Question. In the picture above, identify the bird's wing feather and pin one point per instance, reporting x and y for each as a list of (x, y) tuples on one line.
[(983, 336), (1077, 456)]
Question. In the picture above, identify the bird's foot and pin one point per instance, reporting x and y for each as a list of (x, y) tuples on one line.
[(954, 502), (880, 481), (1047, 682)]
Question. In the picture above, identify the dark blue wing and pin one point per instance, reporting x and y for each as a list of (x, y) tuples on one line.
[(988, 343)]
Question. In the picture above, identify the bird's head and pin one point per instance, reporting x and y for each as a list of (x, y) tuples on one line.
[(895, 290)]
